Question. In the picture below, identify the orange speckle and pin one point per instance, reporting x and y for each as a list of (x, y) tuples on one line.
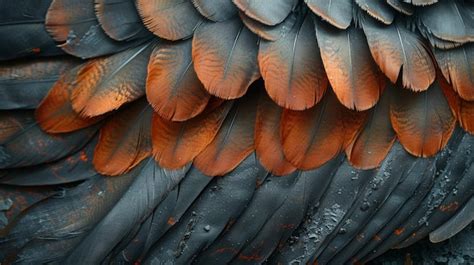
[(377, 238), (171, 221), (399, 231), (36, 50), (231, 250), (83, 156), (451, 207), (253, 257)]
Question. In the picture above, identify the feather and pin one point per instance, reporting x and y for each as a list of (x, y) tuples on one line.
[(378, 10), (22, 29), (170, 19), (149, 188), (124, 140), (312, 137), (423, 121), (267, 137), (455, 224), (70, 169), (271, 33), (104, 84), (23, 84), (266, 12), (292, 68), (225, 58), (120, 20), (457, 66), (401, 7), (234, 141), (23, 143), (374, 141), (216, 10), (173, 88), (395, 46), (74, 25), (337, 12), (55, 113), (421, 2), (176, 144), (449, 20), (351, 71)]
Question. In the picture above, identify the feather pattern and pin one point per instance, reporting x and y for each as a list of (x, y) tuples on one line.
[(395, 46), (106, 83), (173, 88), (401, 7), (378, 10), (271, 33), (170, 19), (176, 144), (225, 58), (352, 73), (268, 13), (423, 121), (294, 79), (337, 12), (216, 10)]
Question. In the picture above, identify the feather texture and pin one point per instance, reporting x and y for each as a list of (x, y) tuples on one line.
[(173, 88), (351, 71), (292, 68), (216, 10), (266, 32), (337, 12), (378, 10), (225, 58), (176, 144), (170, 19), (124, 140), (106, 83), (395, 46), (266, 12)]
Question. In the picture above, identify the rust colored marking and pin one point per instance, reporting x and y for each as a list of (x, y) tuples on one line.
[(222, 250), (377, 238), (451, 207), (83, 156), (36, 50), (171, 221), (399, 231), (254, 257)]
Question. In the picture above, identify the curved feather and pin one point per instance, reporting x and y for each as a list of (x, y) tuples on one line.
[(374, 141), (267, 12), (337, 12), (119, 19), (175, 144), (23, 84), (124, 140), (423, 121), (378, 10), (234, 141), (395, 46), (106, 83), (271, 33), (225, 58), (312, 137), (170, 19), (173, 88), (401, 7), (268, 144), (457, 66), (216, 10), (292, 68), (351, 71)]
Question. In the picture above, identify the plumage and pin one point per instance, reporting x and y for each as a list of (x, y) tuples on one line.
[(106, 83), (294, 79), (268, 143), (305, 134), (401, 7), (216, 10), (457, 66), (271, 33), (456, 224), (120, 20), (176, 144), (337, 13), (378, 10), (225, 58), (234, 141), (396, 49), (375, 140), (55, 113), (268, 13), (173, 88), (124, 140), (170, 19), (74, 25), (423, 121), (23, 84), (352, 73)]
